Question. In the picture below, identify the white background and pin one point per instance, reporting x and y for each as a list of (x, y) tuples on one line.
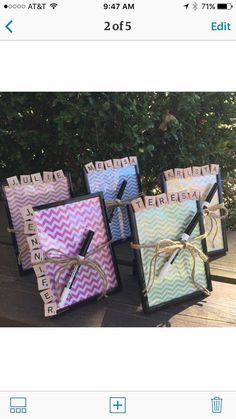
[(117, 359)]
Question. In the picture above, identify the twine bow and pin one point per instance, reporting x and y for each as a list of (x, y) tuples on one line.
[(169, 247), (71, 261), (210, 212)]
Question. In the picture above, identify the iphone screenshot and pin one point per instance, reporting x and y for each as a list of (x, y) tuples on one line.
[(117, 209)]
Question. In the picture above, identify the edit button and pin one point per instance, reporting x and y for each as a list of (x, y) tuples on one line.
[(222, 26)]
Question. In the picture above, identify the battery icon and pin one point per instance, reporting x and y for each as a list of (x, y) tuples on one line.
[(224, 6)]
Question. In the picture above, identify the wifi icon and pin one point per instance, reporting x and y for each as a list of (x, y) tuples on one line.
[(53, 5)]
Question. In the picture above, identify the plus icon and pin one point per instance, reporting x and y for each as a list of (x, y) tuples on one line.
[(117, 404)]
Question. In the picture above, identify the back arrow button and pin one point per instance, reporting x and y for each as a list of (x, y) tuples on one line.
[(8, 26)]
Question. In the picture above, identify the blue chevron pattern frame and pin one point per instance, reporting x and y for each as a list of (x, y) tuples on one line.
[(152, 225), (108, 182), (204, 181)]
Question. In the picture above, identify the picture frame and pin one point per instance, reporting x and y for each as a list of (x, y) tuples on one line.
[(194, 181), (79, 201), (101, 186), (150, 307), (16, 248)]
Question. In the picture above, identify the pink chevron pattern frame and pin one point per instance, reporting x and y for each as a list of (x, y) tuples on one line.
[(64, 228), (23, 195)]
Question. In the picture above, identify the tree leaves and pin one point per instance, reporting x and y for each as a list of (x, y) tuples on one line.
[(39, 131)]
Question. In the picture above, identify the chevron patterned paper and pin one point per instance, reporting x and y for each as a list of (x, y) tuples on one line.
[(204, 183), (169, 222), (108, 181), (34, 195), (64, 228)]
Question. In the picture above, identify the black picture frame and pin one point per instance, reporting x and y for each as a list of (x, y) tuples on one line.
[(139, 267), (111, 245), (87, 186), (23, 272), (211, 253)]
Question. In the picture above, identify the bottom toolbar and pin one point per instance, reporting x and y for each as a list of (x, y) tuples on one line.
[(133, 405)]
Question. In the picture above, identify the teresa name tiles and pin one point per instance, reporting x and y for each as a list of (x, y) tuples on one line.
[(154, 201)]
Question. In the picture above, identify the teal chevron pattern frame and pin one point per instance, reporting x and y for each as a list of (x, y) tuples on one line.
[(108, 182), (168, 222)]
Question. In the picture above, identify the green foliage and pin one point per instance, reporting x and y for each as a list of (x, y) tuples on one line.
[(43, 131)]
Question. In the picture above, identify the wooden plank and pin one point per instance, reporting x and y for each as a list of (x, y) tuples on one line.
[(224, 268), (115, 318), (5, 237)]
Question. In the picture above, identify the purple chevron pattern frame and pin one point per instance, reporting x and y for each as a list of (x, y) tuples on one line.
[(33, 194), (64, 227)]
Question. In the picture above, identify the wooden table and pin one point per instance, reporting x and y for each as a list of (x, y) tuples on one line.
[(21, 305)]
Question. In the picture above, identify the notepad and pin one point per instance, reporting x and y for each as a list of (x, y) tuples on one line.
[(201, 178), (23, 193), (61, 230), (107, 177), (167, 221)]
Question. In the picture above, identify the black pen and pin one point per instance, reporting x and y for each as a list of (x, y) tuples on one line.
[(185, 236), (210, 195), (118, 196), (66, 291)]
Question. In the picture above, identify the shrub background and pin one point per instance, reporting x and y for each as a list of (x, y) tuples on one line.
[(43, 131)]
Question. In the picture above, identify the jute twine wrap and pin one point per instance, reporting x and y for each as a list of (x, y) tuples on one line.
[(168, 247), (121, 203), (210, 212), (70, 261)]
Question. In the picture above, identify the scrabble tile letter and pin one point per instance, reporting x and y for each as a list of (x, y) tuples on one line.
[(27, 212), (46, 296), (108, 164), (169, 174), (89, 167), (188, 172), (116, 163), (133, 160), (150, 201), (197, 171), (179, 173), (59, 174), (36, 256), (194, 194), (173, 197), (13, 181), (36, 178), (25, 179), (162, 200), (138, 204), (183, 195), (125, 161), (206, 170), (47, 177), (29, 227), (33, 242), (50, 309), (215, 168), (99, 165)]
